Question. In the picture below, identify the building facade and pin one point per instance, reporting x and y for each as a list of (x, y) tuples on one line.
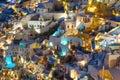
[(41, 25)]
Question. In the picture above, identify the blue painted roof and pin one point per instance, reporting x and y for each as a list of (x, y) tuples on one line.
[(51, 60), (33, 78), (46, 72), (50, 0), (1, 5), (8, 11), (24, 9), (41, 5), (116, 18), (2, 17), (34, 58)]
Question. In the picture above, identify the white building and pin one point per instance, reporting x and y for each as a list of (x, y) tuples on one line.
[(41, 25), (71, 28), (112, 59), (17, 50), (72, 25), (83, 19), (17, 24)]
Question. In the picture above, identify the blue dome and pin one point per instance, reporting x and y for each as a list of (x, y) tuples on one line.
[(81, 27)]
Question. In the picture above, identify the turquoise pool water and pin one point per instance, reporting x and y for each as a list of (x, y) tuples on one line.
[(9, 62), (57, 32)]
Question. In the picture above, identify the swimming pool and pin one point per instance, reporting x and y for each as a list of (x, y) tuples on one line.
[(9, 62)]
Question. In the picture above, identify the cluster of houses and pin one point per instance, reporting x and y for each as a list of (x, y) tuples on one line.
[(68, 53)]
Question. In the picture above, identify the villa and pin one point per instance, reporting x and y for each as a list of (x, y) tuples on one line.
[(42, 24)]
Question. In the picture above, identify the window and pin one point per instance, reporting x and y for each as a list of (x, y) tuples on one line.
[(31, 26), (41, 19), (68, 26), (38, 26), (72, 26), (31, 35)]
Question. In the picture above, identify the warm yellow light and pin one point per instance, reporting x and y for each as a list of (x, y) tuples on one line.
[(82, 63), (1, 44), (8, 41), (116, 14), (97, 47), (93, 30), (77, 23), (73, 74), (99, 35), (92, 9)]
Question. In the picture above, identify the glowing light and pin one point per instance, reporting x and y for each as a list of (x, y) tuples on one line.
[(99, 35), (64, 51), (22, 59), (85, 76), (116, 14), (51, 44), (9, 62), (22, 44), (64, 42), (35, 45), (92, 9), (57, 32), (77, 24), (82, 63), (73, 74), (9, 41), (99, 1)]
